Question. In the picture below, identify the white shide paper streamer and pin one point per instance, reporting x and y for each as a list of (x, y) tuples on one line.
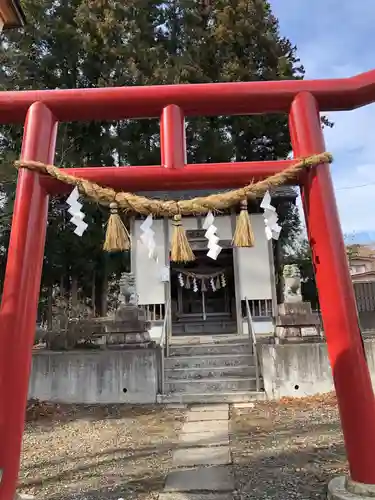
[(214, 248), (75, 211), (147, 237), (270, 218)]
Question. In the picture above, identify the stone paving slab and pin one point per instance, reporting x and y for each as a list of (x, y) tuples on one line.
[(209, 426), (243, 405), (199, 416), (215, 438), (195, 496), (188, 457), (213, 407), (215, 478)]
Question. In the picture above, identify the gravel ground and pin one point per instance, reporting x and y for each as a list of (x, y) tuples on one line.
[(281, 451), (287, 450), (77, 452)]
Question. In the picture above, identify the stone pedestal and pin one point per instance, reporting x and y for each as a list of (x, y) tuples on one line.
[(342, 488), (128, 327), (296, 322)]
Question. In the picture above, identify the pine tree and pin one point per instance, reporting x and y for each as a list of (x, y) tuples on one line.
[(227, 41), (71, 44), (92, 43)]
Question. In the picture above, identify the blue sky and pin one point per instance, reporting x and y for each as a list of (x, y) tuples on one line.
[(334, 39)]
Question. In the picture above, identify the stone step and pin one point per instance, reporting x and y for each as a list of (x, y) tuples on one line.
[(202, 349), (209, 339), (211, 385), (204, 328), (213, 478), (202, 495), (211, 398), (204, 439), (208, 360), (190, 457), (203, 416), (208, 408), (213, 372)]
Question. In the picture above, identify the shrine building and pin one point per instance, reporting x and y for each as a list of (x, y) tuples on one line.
[(208, 296)]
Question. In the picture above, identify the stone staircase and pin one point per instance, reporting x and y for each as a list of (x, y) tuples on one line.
[(217, 369)]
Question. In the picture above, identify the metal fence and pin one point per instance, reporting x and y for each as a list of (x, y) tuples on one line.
[(365, 296)]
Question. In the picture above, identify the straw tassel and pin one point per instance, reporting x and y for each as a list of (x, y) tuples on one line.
[(243, 235), (117, 238), (180, 247)]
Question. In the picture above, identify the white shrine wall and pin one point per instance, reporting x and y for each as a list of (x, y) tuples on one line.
[(149, 286), (254, 264), (254, 276), (224, 227)]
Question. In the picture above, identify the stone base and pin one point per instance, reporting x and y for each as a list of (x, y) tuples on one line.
[(342, 488), (128, 338), (298, 333), (298, 340), (125, 340), (297, 323)]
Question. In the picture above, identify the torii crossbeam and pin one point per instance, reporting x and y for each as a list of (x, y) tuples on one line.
[(302, 100)]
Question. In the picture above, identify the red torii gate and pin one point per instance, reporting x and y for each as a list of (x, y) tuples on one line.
[(303, 100)]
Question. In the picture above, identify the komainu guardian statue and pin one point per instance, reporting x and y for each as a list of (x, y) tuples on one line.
[(292, 283)]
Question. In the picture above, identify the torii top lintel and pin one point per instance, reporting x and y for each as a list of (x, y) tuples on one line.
[(210, 99)]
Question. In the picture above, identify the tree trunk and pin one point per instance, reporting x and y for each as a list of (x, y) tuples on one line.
[(49, 306), (74, 292), (93, 293), (103, 287), (278, 276), (62, 286), (104, 295)]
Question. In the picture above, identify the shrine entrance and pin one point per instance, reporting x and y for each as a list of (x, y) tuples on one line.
[(41, 111), (203, 295)]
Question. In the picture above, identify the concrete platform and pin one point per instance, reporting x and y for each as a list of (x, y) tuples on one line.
[(195, 496), (210, 372), (203, 349), (210, 361), (188, 457), (200, 416), (213, 407), (211, 397), (209, 339), (215, 438), (211, 385), (239, 406), (216, 478), (210, 426)]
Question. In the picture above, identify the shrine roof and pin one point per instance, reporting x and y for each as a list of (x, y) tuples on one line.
[(281, 193)]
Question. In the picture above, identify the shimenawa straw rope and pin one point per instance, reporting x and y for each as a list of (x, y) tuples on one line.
[(117, 237)]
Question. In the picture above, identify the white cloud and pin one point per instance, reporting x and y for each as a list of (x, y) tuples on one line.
[(334, 41), (352, 143), (353, 132)]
